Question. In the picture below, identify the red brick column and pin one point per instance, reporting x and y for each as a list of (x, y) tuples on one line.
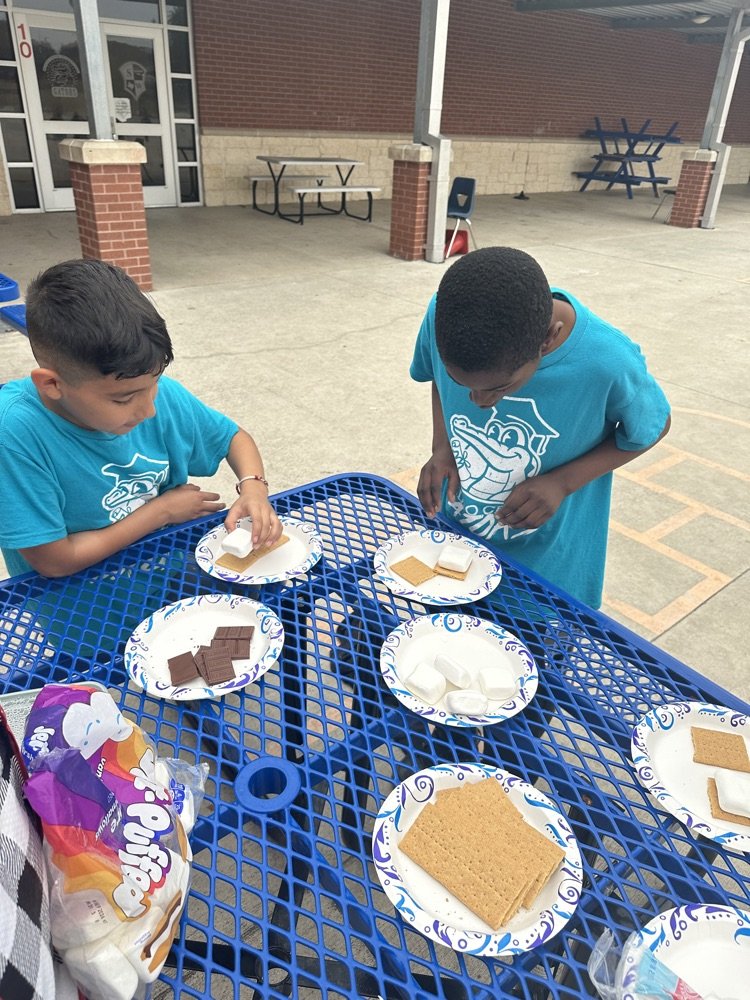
[(410, 200), (108, 192), (692, 190)]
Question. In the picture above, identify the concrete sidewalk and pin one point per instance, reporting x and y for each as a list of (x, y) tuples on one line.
[(305, 334)]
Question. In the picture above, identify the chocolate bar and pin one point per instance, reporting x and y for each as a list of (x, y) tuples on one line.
[(234, 632), (239, 649), (182, 668), (218, 665)]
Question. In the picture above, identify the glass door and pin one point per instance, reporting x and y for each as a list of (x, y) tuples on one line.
[(137, 91), (51, 73), (139, 104)]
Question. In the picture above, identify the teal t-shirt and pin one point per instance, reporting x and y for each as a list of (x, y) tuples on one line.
[(594, 384), (57, 478)]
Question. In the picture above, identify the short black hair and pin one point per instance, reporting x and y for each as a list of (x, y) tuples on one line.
[(87, 316), (494, 308)]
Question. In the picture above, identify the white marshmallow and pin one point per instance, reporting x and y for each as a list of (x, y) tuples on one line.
[(426, 683), (467, 702), (453, 671), (455, 557), (733, 789), (497, 682), (238, 543)]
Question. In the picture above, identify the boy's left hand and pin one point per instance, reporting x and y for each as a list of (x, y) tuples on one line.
[(531, 503), (253, 503)]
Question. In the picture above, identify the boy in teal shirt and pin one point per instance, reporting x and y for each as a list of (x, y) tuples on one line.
[(97, 445), (535, 402)]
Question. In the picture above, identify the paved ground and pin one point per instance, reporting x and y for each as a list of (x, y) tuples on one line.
[(305, 335)]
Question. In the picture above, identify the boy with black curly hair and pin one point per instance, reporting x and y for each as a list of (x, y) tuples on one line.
[(535, 402)]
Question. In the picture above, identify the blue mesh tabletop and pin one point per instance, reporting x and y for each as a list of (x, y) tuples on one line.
[(284, 898)]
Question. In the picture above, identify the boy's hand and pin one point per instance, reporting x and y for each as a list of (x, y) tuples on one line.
[(532, 502), (186, 502), (441, 466), (253, 503)]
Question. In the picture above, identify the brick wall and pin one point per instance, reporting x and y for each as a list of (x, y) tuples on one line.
[(691, 195), (336, 66)]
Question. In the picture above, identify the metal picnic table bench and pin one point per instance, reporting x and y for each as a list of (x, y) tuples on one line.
[(624, 151)]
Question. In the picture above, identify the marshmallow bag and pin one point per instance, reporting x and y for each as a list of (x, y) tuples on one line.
[(115, 821)]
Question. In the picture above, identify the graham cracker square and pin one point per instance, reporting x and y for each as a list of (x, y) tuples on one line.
[(454, 574), (476, 844), (718, 812), (237, 565), (710, 746), (413, 570)]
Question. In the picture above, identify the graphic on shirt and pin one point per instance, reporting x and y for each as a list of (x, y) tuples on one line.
[(135, 484), (493, 458)]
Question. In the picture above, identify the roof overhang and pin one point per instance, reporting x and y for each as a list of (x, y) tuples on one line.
[(699, 21)]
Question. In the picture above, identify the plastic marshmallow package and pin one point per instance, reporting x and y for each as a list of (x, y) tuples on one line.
[(115, 821)]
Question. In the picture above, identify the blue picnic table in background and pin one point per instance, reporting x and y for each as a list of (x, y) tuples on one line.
[(625, 153)]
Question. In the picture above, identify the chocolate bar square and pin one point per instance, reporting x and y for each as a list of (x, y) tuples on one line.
[(239, 649), (182, 668), (224, 632), (200, 661), (218, 665)]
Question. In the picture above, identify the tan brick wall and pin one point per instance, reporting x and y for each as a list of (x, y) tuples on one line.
[(500, 166), (4, 193)]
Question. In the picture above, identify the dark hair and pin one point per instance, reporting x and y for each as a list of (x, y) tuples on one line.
[(85, 315), (494, 308)]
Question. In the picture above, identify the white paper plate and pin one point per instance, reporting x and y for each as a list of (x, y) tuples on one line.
[(430, 909), (183, 627), (471, 642), (707, 946), (303, 550), (484, 573), (662, 752)]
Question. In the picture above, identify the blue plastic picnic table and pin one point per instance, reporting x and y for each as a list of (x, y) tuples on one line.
[(284, 899)]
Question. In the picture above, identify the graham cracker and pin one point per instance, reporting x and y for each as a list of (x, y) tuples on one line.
[(710, 746), (718, 812), (228, 561), (476, 843), (454, 574), (413, 570)]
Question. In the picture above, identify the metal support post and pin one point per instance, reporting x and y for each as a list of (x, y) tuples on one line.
[(92, 68), (433, 38), (718, 109)]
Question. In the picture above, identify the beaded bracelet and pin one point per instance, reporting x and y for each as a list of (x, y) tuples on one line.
[(244, 479)]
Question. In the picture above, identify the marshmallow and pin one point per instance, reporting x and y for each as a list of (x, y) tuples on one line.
[(426, 683), (455, 557), (733, 790), (102, 970), (454, 672), (467, 702), (238, 543), (497, 682)]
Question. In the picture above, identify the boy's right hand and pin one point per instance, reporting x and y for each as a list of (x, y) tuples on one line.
[(186, 502), (441, 466)]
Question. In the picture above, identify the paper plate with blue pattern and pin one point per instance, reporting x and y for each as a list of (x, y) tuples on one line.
[(469, 641), (183, 627), (662, 753), (484, 573), (295, 557), (430, 909), (707, 946)]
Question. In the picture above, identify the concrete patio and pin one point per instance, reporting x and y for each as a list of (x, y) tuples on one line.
[(305, 334)]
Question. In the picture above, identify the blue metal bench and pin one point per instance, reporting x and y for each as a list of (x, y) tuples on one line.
[(15, 316)]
